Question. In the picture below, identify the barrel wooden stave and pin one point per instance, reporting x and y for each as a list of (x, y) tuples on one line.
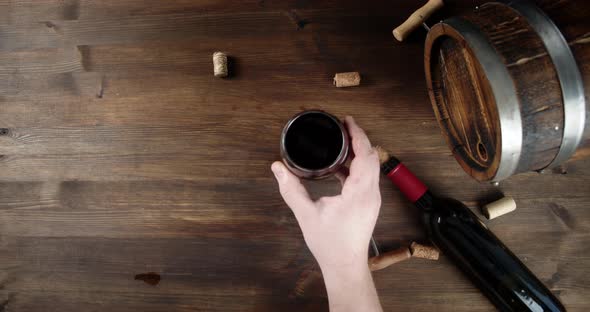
[(573, 19), (535, 79)]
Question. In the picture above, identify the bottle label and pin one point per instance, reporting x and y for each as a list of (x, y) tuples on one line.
[(407, 182)]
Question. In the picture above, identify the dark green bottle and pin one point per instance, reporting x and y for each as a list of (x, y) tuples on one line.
[(462, 237)]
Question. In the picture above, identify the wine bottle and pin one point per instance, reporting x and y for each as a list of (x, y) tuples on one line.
[(463, 238)]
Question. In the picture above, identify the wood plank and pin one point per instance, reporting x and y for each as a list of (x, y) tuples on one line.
[(252, 162), (67, 261), (46, 61), (39, 10), (210, 136), (221, 207), (47, 24), (165, 27), (42, 10)]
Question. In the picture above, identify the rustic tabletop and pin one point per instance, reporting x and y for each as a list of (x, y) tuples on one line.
[(132, 179)]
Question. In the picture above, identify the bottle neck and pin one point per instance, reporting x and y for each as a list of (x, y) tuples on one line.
[(414, 190), (425, 201)]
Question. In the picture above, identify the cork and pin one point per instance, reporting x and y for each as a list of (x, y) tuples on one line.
[(343, 80), (425, 252), (220, 64), (383, 154), (388, 258), (499, 207)]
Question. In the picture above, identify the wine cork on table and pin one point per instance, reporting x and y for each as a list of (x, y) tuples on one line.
[(499, 207), (388, 258), (351, 79), (418, 17), (423, 251), (220, 64)]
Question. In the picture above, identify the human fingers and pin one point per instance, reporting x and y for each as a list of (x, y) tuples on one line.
[(364, 168), (293, 192), (364, 173), (360, 142)]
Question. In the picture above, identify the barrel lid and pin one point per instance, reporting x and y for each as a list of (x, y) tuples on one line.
[(474, 100)]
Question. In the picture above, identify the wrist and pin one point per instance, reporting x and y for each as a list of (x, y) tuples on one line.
[(352, 272), (350, 286), (349, 264)]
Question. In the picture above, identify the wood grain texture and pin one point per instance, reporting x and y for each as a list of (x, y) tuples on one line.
[(122, 155)]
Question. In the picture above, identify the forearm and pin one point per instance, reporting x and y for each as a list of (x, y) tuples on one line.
[(351, 289)]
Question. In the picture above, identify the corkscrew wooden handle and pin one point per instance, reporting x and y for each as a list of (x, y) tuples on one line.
[(418, 17), (388, 258)]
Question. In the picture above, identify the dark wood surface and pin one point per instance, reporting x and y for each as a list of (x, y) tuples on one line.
[(131, 179)]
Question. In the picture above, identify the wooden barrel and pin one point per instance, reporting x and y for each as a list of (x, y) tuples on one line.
[(510, 83)]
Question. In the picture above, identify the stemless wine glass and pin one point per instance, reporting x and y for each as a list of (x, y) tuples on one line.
[(314, 144)]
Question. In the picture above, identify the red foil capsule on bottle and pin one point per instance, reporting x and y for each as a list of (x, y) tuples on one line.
[(407, 182)]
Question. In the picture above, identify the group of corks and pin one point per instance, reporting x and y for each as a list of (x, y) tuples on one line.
[(383, 260), (416, 250), (341, 80)]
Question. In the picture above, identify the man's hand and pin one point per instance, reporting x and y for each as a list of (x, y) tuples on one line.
[(337, 229)]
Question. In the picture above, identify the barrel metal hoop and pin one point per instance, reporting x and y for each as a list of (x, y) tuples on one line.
[(504, 93), (568, 73)]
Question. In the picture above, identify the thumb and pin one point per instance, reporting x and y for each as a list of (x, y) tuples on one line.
[(293, 192)]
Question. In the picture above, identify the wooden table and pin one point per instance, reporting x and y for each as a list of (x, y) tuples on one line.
[(122, 155)]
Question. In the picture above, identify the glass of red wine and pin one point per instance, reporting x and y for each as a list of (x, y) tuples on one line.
[(314, 144)]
